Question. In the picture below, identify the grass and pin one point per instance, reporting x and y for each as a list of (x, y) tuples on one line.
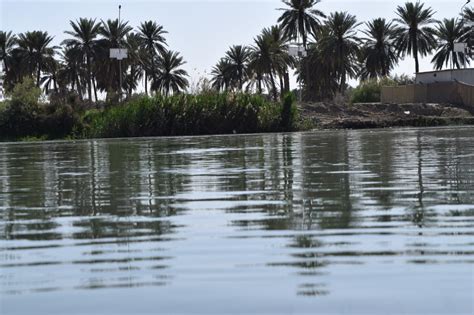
[(209, 113)]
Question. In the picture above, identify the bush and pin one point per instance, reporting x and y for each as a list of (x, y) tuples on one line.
[(369, 91), (24, 117)]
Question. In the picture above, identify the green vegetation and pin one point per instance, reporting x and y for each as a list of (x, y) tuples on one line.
[(24, 118), (369, 91), (213, 113)]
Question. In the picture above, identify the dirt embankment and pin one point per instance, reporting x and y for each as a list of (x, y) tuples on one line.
[(376, 115)]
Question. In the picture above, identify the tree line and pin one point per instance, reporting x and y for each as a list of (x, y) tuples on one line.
[(82, 62), (338, 48), (335, 50)]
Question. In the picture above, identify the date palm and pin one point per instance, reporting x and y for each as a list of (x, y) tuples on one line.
[(84, 38), (468, 14), (221, 75), (449, 32), (152, 40), (415, 36), (300, 19), (379, 53), (238, 57), (35, 50), (340, 45), (7, 44), (134, 62), (169, 76), (72, 72), (113, 35)]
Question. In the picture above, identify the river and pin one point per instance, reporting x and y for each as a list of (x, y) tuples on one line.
[(328, 222)]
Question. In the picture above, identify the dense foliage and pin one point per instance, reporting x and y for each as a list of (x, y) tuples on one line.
[(183, 114)]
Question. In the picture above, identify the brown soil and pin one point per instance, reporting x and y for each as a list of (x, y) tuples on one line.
[(376, 115)]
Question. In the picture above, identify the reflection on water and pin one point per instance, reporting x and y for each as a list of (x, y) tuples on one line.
[(281, 222)]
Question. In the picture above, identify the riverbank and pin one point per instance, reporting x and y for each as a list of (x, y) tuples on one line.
[(375, 115)]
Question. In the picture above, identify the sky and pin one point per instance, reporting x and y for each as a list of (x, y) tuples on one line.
[(201, 30)]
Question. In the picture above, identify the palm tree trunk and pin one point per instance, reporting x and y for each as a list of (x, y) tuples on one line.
[(272, 79), (55, 84), (281, 86), (415, 53), (38, 74), (259, 84), (79, 88), (146, 82), (94, 81), (89, 77)]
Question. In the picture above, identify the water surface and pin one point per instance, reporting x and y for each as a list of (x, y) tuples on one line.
[(354, 222)]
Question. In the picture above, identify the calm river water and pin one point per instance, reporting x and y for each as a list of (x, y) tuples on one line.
[(353, 222)]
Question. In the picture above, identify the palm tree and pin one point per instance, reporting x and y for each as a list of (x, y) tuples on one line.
[(7, 44), (269, 56), (85, 32), (50, 79), (238, 57), (414, 35), (72, 71), (340, 45), (169, 77), (449, 32), (153, 41), (221, 75), (35, 50), (379, 52), (468, 14), (133, 62), (300, 19), (107, 71)]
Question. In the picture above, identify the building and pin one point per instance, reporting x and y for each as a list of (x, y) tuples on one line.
[(457, 75)]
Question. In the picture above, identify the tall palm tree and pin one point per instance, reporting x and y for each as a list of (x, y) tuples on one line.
[(133, 63), (449, 32), (169, 76), (84, 33), (269, 56), (221, 75), (340, 45), (72, 72), (379, 52), (415, 36), (35, 50), (113, 35), (300, 18), (238, 57), (261, 61), (7, 44), (153, 41)]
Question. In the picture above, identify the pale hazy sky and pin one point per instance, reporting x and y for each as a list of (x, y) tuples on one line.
[(201, 30)]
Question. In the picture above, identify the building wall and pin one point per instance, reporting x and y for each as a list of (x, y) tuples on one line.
[(442, 92), (460, 75)]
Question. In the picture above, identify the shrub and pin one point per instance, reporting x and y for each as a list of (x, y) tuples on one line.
[(369, 91)]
